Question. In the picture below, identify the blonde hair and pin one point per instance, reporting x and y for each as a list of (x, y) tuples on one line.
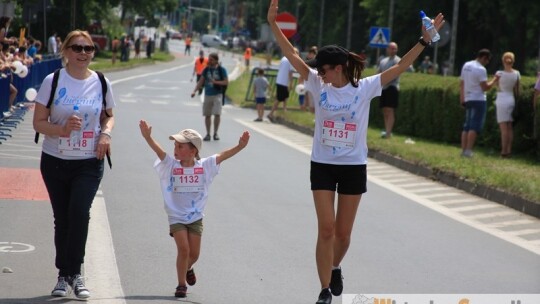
[(509, 54), (67, 42)]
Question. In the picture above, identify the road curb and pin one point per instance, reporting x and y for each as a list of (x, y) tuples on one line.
[(513, 201)]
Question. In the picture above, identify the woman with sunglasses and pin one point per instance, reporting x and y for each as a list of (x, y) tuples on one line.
[(339, 154), (72, 171)]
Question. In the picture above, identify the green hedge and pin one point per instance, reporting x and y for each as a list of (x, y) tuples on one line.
[(429, 108)]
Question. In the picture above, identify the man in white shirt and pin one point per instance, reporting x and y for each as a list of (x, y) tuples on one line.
[(473, 84), (52, 47), (283, 83)]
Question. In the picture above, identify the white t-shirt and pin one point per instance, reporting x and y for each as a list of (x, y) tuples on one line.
[(472, 74), (285, 68), (507, 81), (185, 190), (70, 91), (341, 119)]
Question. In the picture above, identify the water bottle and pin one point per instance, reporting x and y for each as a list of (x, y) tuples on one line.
[(75, 135), (426, 21)]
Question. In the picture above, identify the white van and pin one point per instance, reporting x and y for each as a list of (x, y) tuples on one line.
[(212, 41)]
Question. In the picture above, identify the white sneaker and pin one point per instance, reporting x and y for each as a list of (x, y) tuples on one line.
[(61, 288), (78, 287), (7, 114)]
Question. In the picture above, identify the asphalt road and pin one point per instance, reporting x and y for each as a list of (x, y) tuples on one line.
[(260, 227)]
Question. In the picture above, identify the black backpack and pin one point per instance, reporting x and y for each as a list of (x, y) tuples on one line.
[(54, 84), (223, 87)]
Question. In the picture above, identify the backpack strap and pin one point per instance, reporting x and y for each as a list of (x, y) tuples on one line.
[(103, 91), (104, 102), (54, 84)]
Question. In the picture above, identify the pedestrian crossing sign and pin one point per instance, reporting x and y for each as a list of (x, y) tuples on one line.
[(379, 37)]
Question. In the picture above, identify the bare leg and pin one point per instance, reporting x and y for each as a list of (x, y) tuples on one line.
[(217, 120), (208, 123), (324, 206), (194, 248), (389, 120), (182, 245), (471, 138), (346, 214)]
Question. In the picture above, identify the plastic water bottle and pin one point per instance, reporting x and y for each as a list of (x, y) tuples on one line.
[(426, 21), (75, 135)]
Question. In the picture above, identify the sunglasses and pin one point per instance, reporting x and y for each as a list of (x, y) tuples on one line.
[(322, 71), (88, 49)]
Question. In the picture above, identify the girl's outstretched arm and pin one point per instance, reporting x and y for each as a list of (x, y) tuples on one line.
[(146, 131), (242, 143), (396, 70)]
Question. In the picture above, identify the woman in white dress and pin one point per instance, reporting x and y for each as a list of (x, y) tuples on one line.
[(507, 89)]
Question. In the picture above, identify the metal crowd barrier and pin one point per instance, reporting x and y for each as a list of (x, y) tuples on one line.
[(36, 73)]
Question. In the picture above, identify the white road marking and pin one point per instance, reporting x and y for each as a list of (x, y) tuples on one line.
[(101, 270)]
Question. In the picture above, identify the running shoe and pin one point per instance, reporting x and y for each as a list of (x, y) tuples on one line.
[(336, 282), (325, 297), (61, 288)]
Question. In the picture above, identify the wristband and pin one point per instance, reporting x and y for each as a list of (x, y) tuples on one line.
[(108, 133), (423, 42)]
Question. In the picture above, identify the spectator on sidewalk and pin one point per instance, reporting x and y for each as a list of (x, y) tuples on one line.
[(389, 99), (200, 64), (115, 45), (247, 56), (283, 85), (72, 167), (507, 90), (474, 82), (187, 41), (308, 104), (213, 78), (4, 28), (52, 46), (260, 90)]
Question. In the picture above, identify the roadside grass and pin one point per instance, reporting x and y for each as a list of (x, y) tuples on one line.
[(519, 175), (102, 62)]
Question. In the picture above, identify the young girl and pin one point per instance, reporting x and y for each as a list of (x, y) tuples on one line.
[(185, 179), (339, 155)]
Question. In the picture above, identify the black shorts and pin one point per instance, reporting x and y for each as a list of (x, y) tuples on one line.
[(348, 179), (389, 97), (282, 92)]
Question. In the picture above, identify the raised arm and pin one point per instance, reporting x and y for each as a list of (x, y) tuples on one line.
[(146, 132), (242, 143), (286, 47), (411, 56)]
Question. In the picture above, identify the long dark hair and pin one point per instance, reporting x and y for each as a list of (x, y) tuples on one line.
[(355, 65)]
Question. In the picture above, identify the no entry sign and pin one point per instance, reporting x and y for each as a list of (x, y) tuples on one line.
[(287, 23)]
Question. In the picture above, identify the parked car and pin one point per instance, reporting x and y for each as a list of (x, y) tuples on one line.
[(212, 41), (176, 35)]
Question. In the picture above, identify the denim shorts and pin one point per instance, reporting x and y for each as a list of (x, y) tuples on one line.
[(475, 115)]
